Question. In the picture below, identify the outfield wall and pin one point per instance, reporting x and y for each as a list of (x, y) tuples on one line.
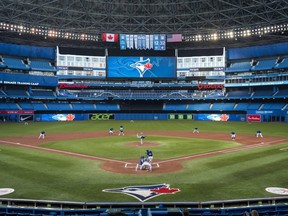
[(255, 116)]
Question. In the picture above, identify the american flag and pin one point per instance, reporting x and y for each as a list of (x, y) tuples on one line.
[(174, 38)]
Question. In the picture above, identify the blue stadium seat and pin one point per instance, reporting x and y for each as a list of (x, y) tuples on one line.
[(38, 105), (43, 94), (25, 105), (58, 106), (16, 93), (283, 64), (223, 106), (175, 107), (8, 106), (107, 107), (199, 106), (41, 65), (239, 67), (82, 106), (265, 64), (273, 106), (15, 63)]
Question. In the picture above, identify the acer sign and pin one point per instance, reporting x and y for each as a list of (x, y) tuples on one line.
[(253, 118), (210, 86), (101, 116)]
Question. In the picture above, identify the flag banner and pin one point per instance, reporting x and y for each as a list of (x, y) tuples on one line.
[(123, 44), (174, 38), (131, 42), (136, 42), (108, 37), (151, 45), (147, 39)]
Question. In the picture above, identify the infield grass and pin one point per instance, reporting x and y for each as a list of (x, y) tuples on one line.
[(36, 174)]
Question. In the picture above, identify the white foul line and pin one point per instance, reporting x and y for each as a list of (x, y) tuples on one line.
[(223, 151), (63, 152)]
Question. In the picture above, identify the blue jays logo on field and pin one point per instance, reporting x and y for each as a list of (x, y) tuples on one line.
[(142, 66), (144, 192)]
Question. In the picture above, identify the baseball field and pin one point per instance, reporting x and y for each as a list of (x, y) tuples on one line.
[(79, 161)]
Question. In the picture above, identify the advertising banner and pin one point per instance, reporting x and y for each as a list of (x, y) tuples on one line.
[(60, 117), (253, 118), (180, 116), (220, 117), (25, 118), (16, 111), (101, 116)]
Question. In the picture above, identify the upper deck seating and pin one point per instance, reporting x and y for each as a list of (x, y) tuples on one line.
[(283, 64), (265, 64), (262, 93), (41, 65), (38, 105), (58, 106), (16, 93), (43, 94), (239, 67), (239, 94), (25, 105), (8, 106), (273, 106), (15, 63), (241, 106)]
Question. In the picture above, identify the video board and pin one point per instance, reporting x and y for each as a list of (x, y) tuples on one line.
[(141, 67)]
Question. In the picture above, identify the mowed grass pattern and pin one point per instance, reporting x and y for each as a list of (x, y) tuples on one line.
[(36, 174)]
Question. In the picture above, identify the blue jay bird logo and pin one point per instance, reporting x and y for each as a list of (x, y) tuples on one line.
[(142, 66), (144, 192)]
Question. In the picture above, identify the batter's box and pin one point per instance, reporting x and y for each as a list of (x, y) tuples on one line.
[(131, 165), (154, 165)]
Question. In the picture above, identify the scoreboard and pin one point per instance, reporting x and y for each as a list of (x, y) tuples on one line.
[(143, 41)]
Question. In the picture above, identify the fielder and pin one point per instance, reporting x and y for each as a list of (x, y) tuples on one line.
[(141, 137), (196, 130), (259, 134), (42, 135), (144, 164), (233, 135), (111, 131), (121, 131)]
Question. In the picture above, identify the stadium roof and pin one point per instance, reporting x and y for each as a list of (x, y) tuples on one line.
[(240, 22)]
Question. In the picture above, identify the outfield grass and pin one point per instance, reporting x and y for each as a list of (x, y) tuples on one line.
[(36, 174)]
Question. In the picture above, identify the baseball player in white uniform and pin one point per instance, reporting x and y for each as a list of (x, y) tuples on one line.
[(233, 135), (121, 131), (111, 131), (141, 137), (144, 164), (196, 130), (42, 135), (259, 134)]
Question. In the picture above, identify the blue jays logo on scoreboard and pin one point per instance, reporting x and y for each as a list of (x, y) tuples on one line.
[(142, 66)]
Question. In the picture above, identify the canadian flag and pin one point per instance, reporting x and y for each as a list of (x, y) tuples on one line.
[(107, 37)]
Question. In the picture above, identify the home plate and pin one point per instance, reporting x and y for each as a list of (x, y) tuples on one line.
[(4, 191)]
